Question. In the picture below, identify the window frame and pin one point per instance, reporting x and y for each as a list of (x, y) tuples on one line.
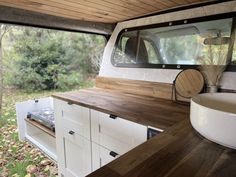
[(176, 23)]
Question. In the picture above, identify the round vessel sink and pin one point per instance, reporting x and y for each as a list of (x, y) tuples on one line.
[(213, 115)]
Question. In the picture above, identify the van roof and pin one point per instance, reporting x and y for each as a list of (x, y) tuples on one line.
[(89, 16), (105, 11)]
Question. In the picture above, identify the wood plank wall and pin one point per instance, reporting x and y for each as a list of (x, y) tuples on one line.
[(143, 88)]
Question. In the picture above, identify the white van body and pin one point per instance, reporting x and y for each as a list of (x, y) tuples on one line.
[(162, 75)]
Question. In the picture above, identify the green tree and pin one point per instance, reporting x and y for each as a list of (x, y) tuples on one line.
[(3, 31), (49, 59)]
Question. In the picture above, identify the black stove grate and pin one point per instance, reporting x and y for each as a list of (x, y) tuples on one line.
[(44, 117)]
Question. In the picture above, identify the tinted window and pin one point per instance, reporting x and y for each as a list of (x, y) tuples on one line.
[(129, 44), (233, 62), (187, 44)]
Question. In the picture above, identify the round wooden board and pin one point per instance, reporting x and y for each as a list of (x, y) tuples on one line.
[(189, 82)]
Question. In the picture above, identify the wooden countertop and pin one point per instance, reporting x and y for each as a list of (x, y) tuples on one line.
[(178, 152), (156, 112)]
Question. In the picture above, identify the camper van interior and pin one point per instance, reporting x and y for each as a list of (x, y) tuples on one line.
[(164, 103)]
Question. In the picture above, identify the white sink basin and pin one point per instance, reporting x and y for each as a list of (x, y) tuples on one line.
[(213, 115)]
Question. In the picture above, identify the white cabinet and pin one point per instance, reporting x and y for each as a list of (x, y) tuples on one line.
[(73, 139), (34, 134), (116, 133), (77, 152), (113, 136), (76, 117), (87, 139), (102, 156)]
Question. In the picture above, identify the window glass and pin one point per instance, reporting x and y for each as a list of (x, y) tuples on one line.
[(129, 44), (233, 62), (152, 53), (188, 44), (179, 49)]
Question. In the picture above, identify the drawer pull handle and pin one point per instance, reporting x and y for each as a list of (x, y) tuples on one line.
[(71, 132), (113, 116), (113, 154), (69, 103)]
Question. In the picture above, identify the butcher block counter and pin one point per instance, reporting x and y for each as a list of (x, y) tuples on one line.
[(178, 152)]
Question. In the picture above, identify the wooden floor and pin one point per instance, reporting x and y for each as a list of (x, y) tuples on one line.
[(178, 152)]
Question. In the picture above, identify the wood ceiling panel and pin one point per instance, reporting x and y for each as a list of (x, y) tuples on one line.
[(89, 6), (167, 3), (105, 6), (138, 4), (156, 4), (81, 8), (107, 11), (133, 8), (76, 11), (56, 11)]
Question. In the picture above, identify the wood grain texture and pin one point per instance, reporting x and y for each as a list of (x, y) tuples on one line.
[(107, 11), (178, 152), (155, 112), (143, 88), (189, 83), (41, 127)]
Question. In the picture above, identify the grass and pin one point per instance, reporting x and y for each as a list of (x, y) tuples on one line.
[(15, 156), (21, 159)]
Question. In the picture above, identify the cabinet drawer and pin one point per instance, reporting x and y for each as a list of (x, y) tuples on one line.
[(77, 153), (102, 156), (116, 133), (76, 117)]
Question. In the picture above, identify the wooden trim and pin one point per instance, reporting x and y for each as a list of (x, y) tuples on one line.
[(143, 88), (41, 127)]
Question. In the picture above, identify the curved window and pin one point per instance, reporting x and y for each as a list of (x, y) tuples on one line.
[(177, 46)]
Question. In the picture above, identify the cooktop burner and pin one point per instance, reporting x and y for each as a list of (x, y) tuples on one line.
[(44, 117)]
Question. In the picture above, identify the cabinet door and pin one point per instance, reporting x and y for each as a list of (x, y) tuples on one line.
[(101, 156), (77, 118), (74, 150), (77, 153), (116, 133)]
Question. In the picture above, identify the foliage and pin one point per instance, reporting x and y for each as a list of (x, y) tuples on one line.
[(4, 29), (42, 59), (234, 54), (15, 156), (180, 49), (37, 60)]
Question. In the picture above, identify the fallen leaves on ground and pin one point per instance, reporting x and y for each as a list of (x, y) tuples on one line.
[(20, 159)]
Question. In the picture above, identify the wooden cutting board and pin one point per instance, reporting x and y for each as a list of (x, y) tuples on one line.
[(189, 83)]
